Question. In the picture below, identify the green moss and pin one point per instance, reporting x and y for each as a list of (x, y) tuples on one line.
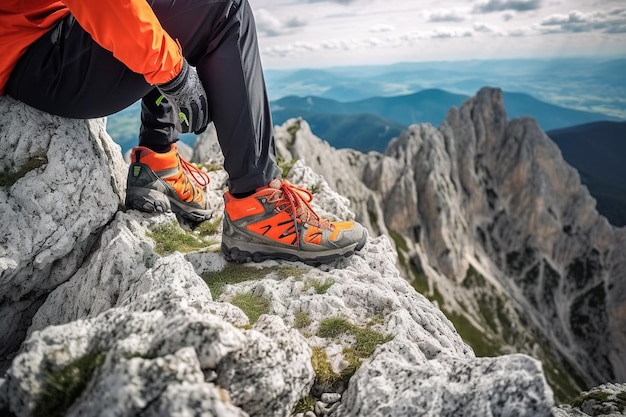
[(302, 320), (597, 396), (7, 179), (366, 339), (235, 273), (208, 228), (334, 327), (209, 167), (170, 238), (321, 286), (305, 404), (325, 376), (62, 387), (284, 165), (314, 189), (252, 305)]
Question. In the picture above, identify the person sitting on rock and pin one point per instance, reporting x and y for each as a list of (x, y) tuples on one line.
[(190, 62)]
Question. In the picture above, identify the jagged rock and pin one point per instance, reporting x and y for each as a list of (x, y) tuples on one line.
[(158, 331), (144, 333), (485, 210), (608, 400), (61, 181)]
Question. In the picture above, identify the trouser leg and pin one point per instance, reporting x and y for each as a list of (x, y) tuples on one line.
[(68, 74), (226, 55)]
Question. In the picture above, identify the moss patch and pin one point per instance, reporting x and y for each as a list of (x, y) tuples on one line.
[(7, 179), (62, 387), (366, 340), (325, 376), (301, 320), (284, 165), (305, 404), (208, 228), (170, 238), (252, 305), (320, 286), (235, 273)]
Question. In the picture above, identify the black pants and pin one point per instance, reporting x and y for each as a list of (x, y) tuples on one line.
[(66, 73)]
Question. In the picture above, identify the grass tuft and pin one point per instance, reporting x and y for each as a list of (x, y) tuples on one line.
[(305, 404), (61, 388), (252, 305), (366, 340), (7, 179), (170, 238), (302, 320)]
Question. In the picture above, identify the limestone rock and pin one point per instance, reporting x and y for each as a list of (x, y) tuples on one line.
[(485, 210), (62, 180)]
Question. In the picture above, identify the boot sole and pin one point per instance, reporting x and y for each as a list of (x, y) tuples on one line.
[(153, 201), (255, 252)]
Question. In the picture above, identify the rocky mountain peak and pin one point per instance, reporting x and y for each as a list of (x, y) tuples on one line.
[(121, 312)]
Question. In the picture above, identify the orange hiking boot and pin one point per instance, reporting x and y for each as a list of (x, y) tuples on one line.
[(278, 222), (161, 182)]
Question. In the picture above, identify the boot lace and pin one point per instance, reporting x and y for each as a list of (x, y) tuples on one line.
[(295, 201)]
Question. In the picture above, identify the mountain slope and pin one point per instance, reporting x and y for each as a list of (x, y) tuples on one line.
[(366, 132), (492, 224), (432, 105)]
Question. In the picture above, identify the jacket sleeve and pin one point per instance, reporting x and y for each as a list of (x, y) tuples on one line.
[(132, 32)]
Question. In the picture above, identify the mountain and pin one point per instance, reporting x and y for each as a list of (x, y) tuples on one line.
[(366, 132), (495, 227), (427, 106), (111, 311), (597, 151), (107, 311), (587, 84)]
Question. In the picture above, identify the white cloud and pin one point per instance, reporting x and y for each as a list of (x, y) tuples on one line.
[(380, 28), (444, 15), (269, 25), (612, 21), (491, 6)]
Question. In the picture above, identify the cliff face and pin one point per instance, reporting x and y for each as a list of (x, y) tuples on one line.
[(120, 313), (491, 222)]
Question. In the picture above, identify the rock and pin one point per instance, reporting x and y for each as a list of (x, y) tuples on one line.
[(267, 376), (330, 397), (484, 211), (130, 331), (61, 181)]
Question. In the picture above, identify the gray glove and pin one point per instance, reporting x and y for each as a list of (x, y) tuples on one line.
[(187, 96)]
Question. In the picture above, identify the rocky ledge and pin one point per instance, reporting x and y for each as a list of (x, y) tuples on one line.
[(107, 312)]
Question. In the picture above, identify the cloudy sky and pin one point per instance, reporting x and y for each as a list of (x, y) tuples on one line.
[(318, 33)]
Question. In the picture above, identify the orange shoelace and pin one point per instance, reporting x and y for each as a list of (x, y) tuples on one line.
[(200, 177), (295, 201)]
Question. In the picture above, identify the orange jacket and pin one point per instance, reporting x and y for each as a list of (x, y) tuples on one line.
[(128, 28)]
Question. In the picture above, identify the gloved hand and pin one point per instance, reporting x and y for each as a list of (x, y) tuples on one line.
[(186, 94)]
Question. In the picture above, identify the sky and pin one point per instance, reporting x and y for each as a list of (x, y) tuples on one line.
[(324, 33)]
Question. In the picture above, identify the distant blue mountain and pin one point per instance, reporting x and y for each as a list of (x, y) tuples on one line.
[(428, 106)]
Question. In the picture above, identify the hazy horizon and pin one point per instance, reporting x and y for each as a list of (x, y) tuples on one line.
[(322, 33)]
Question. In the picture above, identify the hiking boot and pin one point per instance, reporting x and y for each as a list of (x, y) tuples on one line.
[(162, 182), (278, 222)]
